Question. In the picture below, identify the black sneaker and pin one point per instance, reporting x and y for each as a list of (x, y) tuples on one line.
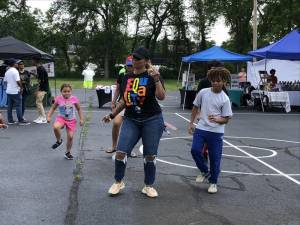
[(68, 156), (23, 123), (12, 122), (57, 144)]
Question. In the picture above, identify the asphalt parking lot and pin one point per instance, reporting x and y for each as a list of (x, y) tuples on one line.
[(259, 183)]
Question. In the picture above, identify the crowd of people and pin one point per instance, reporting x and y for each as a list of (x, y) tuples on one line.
[(18, 88), (137, 115)]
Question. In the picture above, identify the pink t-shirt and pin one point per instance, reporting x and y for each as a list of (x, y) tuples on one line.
[(66, 107)]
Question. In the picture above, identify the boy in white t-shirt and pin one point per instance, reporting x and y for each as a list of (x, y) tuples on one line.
[(214, 114)]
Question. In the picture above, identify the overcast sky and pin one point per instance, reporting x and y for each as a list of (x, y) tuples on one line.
[(219, 33)]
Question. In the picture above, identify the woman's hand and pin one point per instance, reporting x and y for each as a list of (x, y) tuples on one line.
[(48, 119), (153, 72), (106, 119)]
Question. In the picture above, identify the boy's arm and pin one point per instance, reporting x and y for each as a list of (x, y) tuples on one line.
[(51, 111), (193, 117), (81, 116), (220, 120)]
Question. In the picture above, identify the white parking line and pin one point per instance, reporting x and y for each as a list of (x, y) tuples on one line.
[(253, 157)]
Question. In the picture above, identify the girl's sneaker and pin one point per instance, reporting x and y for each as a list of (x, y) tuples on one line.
[(57, 144), (68, 156)]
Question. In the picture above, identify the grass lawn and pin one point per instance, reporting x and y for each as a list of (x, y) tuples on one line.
[(78, 83)]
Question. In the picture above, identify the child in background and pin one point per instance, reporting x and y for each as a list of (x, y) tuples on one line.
[(66, 104), (2, 123), (214, 114)]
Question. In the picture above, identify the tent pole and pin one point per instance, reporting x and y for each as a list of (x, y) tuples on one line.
[(262, 96), (179, 74), (186, 85)]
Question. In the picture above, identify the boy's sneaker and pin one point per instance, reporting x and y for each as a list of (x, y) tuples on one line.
[(24, 123), (212, 188), (12, 122), (201, 177), (68, 156), (150, 191), (57, 144), (116, 188)]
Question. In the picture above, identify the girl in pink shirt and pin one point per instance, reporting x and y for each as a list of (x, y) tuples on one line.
[(66, 104)]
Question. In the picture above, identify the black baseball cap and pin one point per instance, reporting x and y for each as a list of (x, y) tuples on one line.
[(141, 53), (12, 61)]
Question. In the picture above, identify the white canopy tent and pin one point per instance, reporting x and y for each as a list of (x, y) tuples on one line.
[(286, 70)]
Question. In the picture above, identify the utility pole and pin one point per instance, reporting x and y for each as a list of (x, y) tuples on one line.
[(254, 25)]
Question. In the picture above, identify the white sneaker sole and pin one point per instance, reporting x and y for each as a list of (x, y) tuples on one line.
[(68, 158), (40, 122)]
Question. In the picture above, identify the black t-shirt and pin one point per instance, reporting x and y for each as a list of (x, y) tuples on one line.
[(42, 76), (138, 91)]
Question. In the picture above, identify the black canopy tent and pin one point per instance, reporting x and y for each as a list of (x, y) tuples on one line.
[(11, 47)]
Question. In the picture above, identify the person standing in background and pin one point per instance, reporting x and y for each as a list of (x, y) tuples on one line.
[(14, 92), (43, 88), (117, 122), (25, 80)]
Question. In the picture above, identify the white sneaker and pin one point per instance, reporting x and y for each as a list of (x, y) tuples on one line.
[(150, 192), (201, 178), (116, 188), (37, 119), (42, 120), (212, 188)]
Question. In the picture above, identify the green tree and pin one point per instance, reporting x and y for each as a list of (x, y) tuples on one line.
[(238, 14), (18, 21), (204, 17), (100, 22), (276, 19)]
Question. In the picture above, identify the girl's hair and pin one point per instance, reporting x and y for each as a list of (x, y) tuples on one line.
[(218, 73), (65, 85)]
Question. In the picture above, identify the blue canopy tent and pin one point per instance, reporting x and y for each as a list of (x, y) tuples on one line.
[(287, 48), (214, 53)]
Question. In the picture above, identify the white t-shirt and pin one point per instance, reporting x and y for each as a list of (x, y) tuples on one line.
[(217, 104), (11, 77), (88, 74)]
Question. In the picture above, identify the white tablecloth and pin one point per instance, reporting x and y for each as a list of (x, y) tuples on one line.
[(294, 98), (276, 97)]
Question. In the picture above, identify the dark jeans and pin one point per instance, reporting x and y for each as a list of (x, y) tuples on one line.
[(12, 100), (150, 131), (24, 96)]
